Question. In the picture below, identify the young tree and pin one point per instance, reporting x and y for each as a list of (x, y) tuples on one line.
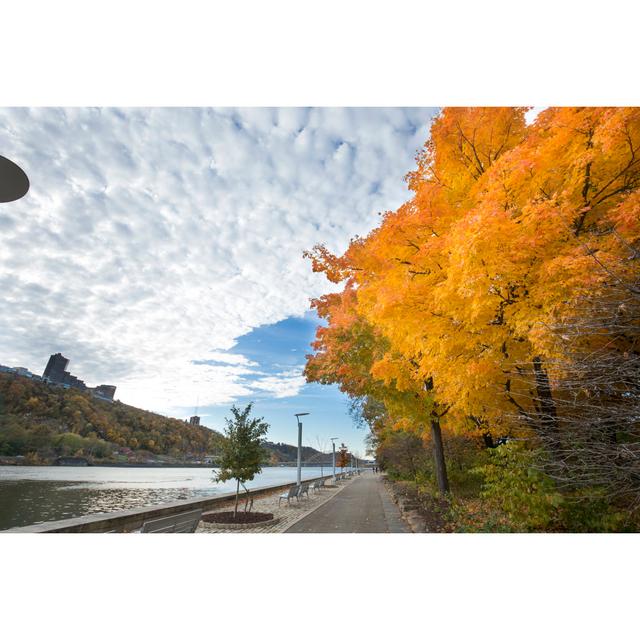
[(242, 452), (343, 458)]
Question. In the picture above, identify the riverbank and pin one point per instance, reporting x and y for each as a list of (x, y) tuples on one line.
[(36, 494), (131, 519), (23, 461)]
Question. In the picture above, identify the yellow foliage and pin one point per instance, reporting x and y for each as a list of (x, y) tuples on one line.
[(508, 227)]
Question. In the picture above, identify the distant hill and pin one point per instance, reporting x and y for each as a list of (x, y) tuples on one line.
[(283, 453), (43, 422)]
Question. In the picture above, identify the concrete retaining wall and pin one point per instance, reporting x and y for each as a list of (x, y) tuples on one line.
[(125, 521)]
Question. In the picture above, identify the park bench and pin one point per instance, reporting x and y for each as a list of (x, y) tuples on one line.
[(304, 488), (292, 493), (186, 522), (317, 485)]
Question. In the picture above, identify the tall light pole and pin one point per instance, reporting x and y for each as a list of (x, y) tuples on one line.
[(300, 446), (333, 444)]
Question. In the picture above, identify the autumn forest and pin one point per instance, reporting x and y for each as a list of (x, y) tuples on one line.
[(488, 331)]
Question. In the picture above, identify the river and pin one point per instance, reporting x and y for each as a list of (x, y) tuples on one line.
[(30, 495)]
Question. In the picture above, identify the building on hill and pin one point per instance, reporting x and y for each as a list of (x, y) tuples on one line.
[(23, 371), (104, 391), (56, 373), (70, 380), (194, 421), (20, 371), (56, 368)]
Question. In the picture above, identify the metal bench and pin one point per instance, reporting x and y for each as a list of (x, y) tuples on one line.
[(292, 493), (304, 488), (186, 522)]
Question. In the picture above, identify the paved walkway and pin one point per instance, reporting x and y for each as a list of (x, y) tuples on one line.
[(363, 506), (284, 514)]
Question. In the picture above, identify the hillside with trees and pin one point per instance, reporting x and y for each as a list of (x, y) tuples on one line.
[(43, 422), (488, 331), (282, 453)]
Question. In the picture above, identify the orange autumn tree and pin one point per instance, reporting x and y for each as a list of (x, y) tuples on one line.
[(347, 351), (343, 457), (509, 226)]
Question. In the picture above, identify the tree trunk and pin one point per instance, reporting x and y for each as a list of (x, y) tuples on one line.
[(438, 454), (548, 414), (487, 438), (235, 510)]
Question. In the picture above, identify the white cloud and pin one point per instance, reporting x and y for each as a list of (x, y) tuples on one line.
[(281, 385), (153, 238)]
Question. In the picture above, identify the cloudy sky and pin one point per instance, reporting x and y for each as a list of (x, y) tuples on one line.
[(161, 249)]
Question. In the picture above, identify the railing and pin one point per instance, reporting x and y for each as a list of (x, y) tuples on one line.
[(132, 520)]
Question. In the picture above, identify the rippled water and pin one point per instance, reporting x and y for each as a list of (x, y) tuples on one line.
[(30, 495)]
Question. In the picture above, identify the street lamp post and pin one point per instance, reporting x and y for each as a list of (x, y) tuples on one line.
[(333, 444), (300, 446)]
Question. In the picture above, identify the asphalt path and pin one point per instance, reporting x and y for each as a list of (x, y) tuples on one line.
[(364, 506)]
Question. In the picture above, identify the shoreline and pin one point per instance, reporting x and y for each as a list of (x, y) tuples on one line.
[(140, 465), (158, 465)]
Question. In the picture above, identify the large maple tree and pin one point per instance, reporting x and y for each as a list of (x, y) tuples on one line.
[(451, 306)]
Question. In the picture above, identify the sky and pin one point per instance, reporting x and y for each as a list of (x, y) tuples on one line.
[(160, 249)]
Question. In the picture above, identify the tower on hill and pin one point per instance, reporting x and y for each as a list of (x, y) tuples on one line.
[(56, 368)]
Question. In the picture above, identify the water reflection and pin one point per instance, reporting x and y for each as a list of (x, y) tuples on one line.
[(30, 495)]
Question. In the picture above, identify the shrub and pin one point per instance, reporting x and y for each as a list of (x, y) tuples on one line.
[(512, 483)]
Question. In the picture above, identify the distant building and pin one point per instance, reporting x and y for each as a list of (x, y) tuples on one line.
[(69, 380), (56, 373), (104, 391), (20, 371), (56, 368), (194, 421)]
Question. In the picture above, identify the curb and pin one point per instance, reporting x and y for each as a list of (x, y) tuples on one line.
[(408, 513)]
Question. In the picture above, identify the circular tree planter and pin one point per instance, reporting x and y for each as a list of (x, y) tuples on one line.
[(225, 519)]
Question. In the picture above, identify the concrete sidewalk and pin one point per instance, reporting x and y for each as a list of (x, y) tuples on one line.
[(285, 514), (364, 506)]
